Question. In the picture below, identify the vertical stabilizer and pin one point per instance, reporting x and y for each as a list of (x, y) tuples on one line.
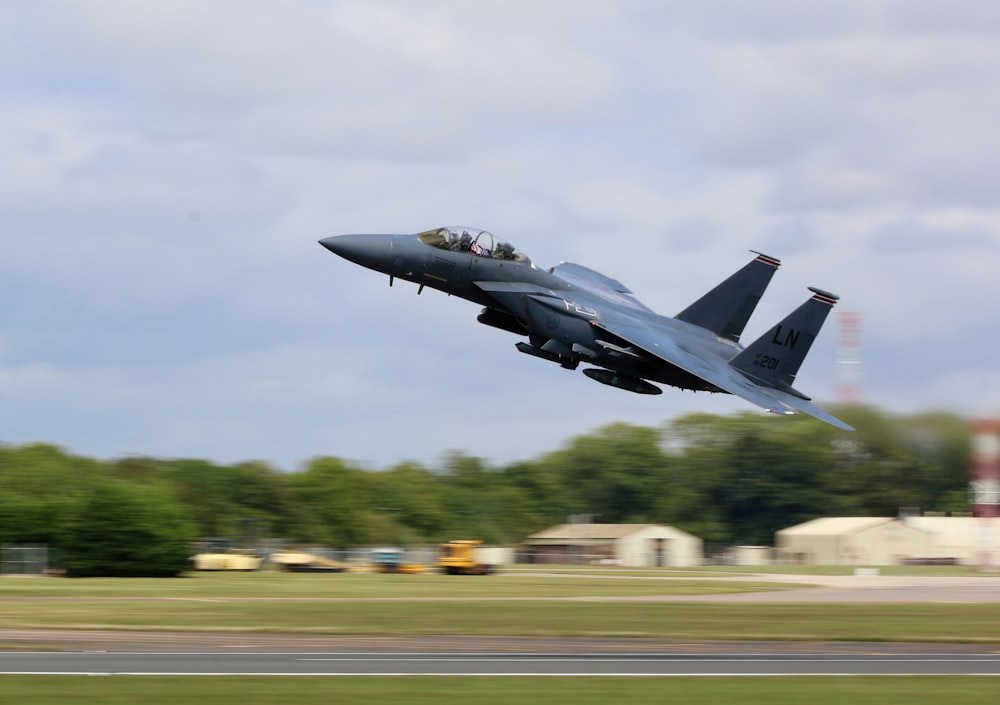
[(726, 309), (774, 359)]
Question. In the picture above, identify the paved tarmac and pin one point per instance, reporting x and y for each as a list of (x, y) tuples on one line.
[(778, 663), (100, 641), (855, 589)]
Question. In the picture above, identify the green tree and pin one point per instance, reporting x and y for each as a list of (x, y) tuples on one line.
[(337, 497), (770, 484), (203, 489), (542, 498), (411, 497), (724, 478), (41, 486), (616, 474), (125, 530), (739, 479), (894, 462), (469, 495)]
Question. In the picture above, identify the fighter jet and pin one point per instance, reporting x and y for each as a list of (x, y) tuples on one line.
[(570, 315)]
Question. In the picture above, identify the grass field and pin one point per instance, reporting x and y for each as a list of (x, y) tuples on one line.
[(424, 690), (805, 622), (501, 605), (366, 585)]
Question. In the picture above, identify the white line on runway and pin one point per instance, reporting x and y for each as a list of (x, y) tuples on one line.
[(492, 675)]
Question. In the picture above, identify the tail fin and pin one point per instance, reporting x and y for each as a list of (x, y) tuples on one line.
[(774, 359), (726, 309)]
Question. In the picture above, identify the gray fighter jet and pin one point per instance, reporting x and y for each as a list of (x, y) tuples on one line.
[(571, 314)]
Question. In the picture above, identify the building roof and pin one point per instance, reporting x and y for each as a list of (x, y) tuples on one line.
[(947, 525), (596, 532), (834, 526)]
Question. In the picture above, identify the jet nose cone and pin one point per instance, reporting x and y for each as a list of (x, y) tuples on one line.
[(343, 245), (366, 250)]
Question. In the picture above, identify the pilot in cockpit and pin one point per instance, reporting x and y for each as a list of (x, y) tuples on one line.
[(504, 250)]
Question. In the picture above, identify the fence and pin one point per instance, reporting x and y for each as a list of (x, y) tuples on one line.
[(24, 560)]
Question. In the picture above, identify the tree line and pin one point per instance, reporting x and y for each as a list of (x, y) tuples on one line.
[(732, 480)]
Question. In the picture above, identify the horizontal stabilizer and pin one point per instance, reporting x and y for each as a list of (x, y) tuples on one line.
[(809, 408)]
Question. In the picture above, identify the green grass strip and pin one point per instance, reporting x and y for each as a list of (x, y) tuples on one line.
[(432, 690), (274, 585), (800, 622)]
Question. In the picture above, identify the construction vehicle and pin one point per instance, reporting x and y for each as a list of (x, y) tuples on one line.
[(459, 557), (218, 554), (233, 560), (304, 562), (389, 559)]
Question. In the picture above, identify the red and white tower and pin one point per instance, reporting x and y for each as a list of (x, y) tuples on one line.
[(984, 485), (849, 357), (984, 475)]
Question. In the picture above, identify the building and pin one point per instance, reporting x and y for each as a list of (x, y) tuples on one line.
[(961, 540), (876, 541), (615, 544), (749, 555), (853, 541)]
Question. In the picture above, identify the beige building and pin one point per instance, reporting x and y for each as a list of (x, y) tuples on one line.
[(876, 541), (750, 555), (962, 540), (615, 544), (853, 541)]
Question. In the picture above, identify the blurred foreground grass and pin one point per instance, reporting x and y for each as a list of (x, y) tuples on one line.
[(428, 690)]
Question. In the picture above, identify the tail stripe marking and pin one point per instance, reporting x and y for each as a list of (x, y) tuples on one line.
[(768, 260)]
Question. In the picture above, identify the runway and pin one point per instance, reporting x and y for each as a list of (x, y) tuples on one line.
[(496, 664)]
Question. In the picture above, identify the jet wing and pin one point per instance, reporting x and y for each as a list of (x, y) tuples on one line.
[(501, 288), (723, 376), (806, 407), (606, 288), (510, 294)]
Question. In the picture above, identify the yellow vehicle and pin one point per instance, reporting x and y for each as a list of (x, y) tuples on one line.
[(459, 557)]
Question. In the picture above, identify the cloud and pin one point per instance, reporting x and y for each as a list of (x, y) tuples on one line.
[(169, 167)]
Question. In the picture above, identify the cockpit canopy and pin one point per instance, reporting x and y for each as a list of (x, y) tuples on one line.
[(472, 240)]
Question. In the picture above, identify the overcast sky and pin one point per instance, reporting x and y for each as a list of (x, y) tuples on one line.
[(166, 168)]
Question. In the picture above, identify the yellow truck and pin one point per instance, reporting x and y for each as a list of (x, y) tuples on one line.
[(459, 557)]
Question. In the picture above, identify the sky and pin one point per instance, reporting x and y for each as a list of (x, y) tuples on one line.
[(168, 167)]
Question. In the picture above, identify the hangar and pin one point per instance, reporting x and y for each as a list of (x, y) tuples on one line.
[(960, 540), (852, 541), (615, 544)]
